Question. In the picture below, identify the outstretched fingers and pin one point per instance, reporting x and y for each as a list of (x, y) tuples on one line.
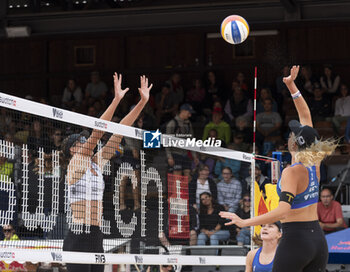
[(119, 92)]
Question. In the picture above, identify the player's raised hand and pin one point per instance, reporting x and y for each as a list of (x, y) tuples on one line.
[(293, 75), (235, 219), (144, 90), (118, 91)]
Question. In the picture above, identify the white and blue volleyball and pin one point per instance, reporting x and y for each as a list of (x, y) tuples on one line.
[(234, 29)]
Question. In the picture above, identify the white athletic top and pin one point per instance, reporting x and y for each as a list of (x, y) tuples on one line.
[(89, 187)]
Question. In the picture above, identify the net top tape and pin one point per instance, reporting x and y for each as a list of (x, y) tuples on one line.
[(54, 113), (10, 255)]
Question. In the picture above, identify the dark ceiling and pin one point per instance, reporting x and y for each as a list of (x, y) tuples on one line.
[(51, 17)]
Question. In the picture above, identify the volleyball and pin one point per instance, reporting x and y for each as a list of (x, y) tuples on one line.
[(234, 29)]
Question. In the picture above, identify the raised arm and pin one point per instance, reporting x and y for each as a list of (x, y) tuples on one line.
[(108, 150), (88, 147), (299, 102)]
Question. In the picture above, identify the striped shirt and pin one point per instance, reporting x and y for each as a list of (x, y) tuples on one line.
[(230, 194)]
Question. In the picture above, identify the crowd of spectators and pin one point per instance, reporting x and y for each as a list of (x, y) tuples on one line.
[(206, 109)]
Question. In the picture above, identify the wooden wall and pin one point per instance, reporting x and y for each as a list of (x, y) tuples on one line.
[(40, 66)]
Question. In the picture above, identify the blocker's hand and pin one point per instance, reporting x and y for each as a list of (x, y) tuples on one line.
[(235, 219), (144, 89), (293, 75), (118, 91)]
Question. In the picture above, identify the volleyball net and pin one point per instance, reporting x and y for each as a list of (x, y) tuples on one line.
[(120, 194)]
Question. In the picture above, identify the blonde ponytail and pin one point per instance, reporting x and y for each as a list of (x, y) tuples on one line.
[(315, 154)]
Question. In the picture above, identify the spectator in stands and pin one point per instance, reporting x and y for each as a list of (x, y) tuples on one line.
[(196, 95), (238, 104), (243, 128), (37, 137), (223, 129), (222, 163), (342, 108), (205, 159), (56, 139), (166, 104), (306, 81), (96, 89), (200, 185), (9, 233), (229, 190), (329, 80), (243, 235), (259, 177), (98, 108), (241, 81), (238, 142), (210, 224), (320, 106), (180, 126), (281, 88), (329, 212), (72, 95), (213, 89), (268, 124), (176, 87), (264, 94), (5, 120), (22, 135), (6, 167), (92, 111)]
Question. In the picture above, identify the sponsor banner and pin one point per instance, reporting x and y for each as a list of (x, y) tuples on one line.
[(179, 219)]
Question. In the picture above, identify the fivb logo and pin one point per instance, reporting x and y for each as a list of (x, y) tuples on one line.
[(57, 113), (152, 139)]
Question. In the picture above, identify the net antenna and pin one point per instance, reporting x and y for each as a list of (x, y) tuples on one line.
[(252, 187)]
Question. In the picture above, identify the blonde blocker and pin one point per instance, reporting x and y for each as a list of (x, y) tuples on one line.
[(315, 154)]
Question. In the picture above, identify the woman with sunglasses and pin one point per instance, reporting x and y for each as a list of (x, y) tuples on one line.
[(85, 180), (243, 234), (303, 246), (261, 259), (210, 224)]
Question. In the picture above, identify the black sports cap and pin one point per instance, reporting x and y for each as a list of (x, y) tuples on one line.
[(279, 225), (305, 135), (72, 139)]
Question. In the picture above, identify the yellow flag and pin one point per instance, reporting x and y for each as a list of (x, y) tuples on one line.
[(260, 206), (272, 198)]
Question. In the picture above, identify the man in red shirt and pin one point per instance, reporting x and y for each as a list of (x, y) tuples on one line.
[(330, 213)]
